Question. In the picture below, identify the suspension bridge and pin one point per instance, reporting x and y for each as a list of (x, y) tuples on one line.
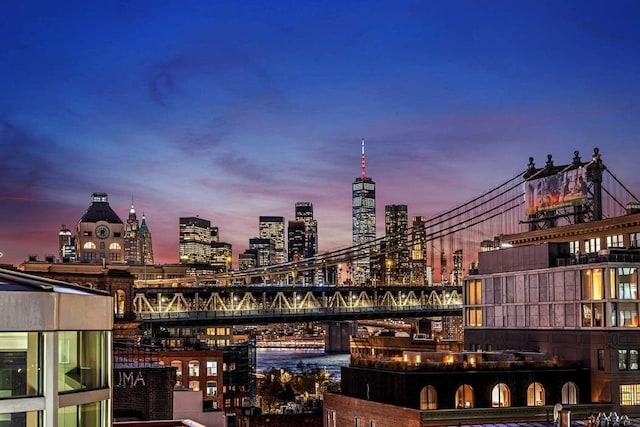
[(424, 276)]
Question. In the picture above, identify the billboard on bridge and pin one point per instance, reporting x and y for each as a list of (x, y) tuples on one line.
[(560, 190)]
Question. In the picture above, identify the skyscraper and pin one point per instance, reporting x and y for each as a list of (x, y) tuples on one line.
[(146, 246), (131, 249), (272, 227), (221, 255), (302, 237), (419, 251), (66, 245), (296, 240), (363, 215), (195, 240), (264, 248), (304, 213), (137, 240), (397, 252)]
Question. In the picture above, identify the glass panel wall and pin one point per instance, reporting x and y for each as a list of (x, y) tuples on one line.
[(628, 313), (627, 283), (20, 362), (592, 284), (88, 415), (26, 419), (82, 360)]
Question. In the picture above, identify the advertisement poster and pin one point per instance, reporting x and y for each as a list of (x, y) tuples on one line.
[(557, 191)]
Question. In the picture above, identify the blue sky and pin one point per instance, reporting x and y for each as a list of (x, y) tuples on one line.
[(234, 109)]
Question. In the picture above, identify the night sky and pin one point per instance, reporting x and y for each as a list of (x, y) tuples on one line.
[(234, 109)]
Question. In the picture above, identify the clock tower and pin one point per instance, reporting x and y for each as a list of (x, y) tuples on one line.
[(100, 233)]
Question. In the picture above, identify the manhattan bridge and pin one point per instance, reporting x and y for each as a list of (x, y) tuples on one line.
[(418, 274)]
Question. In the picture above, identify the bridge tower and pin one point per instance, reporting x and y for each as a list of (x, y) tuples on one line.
[(571, 192)]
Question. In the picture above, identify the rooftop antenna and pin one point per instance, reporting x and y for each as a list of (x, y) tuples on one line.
[(363, 162)]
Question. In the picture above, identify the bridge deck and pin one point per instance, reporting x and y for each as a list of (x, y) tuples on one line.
[(260, 305)]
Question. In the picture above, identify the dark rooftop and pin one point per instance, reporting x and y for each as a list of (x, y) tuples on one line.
[(100, 211)]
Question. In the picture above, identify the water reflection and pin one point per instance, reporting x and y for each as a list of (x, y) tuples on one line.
[(292, 359)]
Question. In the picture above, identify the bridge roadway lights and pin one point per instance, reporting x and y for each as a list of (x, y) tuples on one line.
[(204, 306)]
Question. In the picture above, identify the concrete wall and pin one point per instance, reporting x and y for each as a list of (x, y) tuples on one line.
[(46, 311), (187, 404)]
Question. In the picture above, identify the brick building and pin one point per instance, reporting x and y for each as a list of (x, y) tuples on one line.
[(143, 393)]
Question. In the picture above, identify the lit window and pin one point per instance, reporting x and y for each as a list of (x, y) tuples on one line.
[(500, 396), (633, 360), (331, 418), (592, 284), (629, 394), (627, 283), (212, 368), (628, 313), (194, 368), (574, 247), (592, 245), (428, 398), (570, 393), (622, 360), (212, 388), (89, 245), (535, 395), (615, 241), (586, 315), (178, 365), (114, 246), (464, 397)]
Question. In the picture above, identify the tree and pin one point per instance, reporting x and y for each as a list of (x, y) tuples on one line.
[(280, 386)]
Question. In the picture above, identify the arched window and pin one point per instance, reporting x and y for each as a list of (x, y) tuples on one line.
[(89, 245), (178, 365), (535, 395), (120, 301), (428, 398), (464, 396), (194, 368), (500, 396), (570, 393), (114, 246)]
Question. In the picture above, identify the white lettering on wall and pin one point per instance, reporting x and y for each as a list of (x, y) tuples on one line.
[(130, 379)]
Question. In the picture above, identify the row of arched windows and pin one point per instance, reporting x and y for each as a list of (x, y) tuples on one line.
[(112, 246), (500, 396)]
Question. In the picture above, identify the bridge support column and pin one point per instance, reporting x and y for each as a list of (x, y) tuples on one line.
[(336, 336)]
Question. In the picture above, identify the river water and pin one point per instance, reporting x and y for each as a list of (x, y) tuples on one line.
[(267, 358)]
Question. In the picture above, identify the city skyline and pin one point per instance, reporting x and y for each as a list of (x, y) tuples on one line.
[(233, 111)]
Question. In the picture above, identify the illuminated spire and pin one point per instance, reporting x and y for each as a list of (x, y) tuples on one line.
[(363, 162), (132, 210)]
